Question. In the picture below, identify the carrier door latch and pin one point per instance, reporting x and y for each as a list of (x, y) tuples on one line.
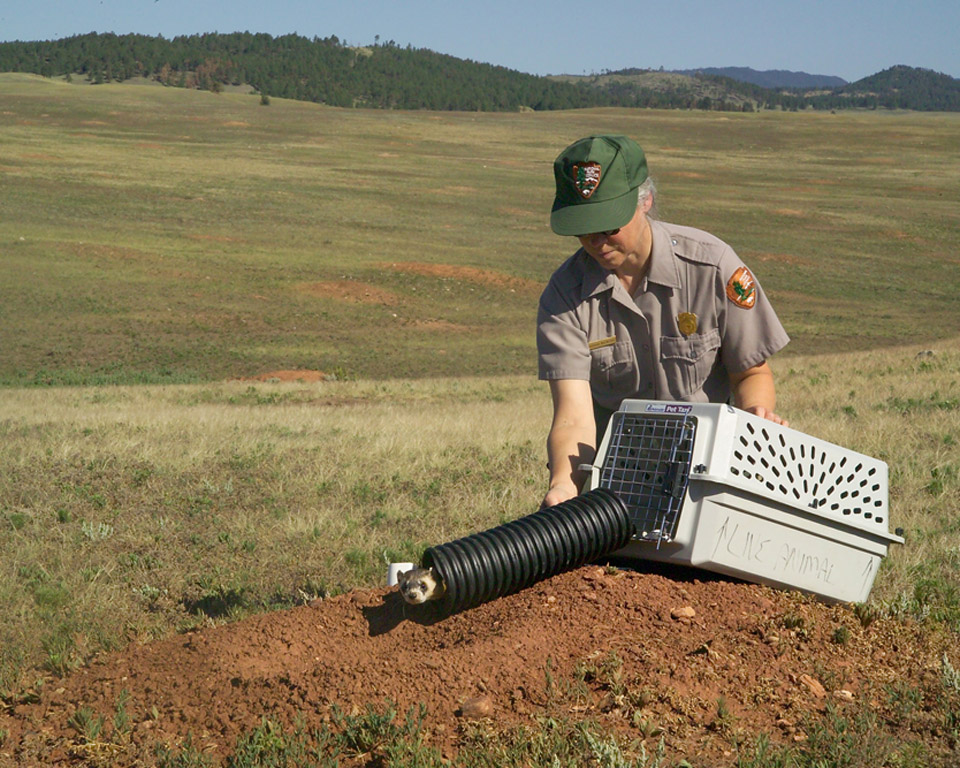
[(675, 475)]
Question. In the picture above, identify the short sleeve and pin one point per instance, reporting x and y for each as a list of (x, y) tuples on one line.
[(562, 345)]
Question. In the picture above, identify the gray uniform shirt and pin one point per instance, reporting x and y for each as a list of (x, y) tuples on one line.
[(698, 315)]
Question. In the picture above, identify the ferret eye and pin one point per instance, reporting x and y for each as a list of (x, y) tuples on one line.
[(423, 585)]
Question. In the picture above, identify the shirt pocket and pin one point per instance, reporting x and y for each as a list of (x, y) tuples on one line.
[(614, 374), (687, 361)]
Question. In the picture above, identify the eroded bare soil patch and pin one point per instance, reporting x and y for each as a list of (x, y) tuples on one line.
[(487, 277), (352, 291)]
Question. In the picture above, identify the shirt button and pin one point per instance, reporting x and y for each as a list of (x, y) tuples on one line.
[(674, 242)]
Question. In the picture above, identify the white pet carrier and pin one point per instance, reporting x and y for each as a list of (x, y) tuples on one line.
[(715, 487)]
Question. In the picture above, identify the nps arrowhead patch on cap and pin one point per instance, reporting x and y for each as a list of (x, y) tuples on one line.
[(586, 178), (742, 289)]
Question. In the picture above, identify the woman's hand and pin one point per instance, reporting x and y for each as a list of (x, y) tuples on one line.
[(765, 413), (558, 494)]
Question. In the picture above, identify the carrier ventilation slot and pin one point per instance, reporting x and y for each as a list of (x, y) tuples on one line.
[(805, 473)]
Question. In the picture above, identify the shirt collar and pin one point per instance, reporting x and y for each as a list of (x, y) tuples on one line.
[(595, 278), (663, 265)]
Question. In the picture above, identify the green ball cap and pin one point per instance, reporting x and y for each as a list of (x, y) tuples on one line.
[(597, 180)]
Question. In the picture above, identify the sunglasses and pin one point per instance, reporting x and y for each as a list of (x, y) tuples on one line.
[(608, 233)]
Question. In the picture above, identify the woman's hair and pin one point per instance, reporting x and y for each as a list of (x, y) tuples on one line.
[(645, 190)]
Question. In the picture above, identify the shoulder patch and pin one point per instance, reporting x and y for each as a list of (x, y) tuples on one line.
[(742, 289)]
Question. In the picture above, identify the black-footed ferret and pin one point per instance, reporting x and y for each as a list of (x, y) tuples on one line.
[(418, 585)]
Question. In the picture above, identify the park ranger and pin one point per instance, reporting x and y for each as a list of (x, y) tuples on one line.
[(643, 309)]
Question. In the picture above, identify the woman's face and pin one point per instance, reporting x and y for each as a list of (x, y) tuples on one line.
[(631, 242)]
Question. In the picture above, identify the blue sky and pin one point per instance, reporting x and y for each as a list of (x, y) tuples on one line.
[(847, 38)]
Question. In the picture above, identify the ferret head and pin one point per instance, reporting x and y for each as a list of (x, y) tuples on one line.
[(418, 585)]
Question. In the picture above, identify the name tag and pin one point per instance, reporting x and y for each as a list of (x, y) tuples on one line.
[(607, 342)]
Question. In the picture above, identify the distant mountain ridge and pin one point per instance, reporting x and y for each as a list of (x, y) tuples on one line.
[(899, 87), (769, 78)]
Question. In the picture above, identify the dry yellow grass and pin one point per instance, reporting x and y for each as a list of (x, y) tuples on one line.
[(130, 512)]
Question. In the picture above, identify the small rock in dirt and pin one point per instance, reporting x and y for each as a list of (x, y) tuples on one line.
[(686, 612), (843, 695), (813, 685), (609, 703), (477, 707)]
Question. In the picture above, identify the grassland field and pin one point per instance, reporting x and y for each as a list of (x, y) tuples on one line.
[(154, 234), (156, 245)]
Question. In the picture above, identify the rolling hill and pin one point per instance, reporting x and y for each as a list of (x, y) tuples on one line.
[(388, 76), (769, 78)]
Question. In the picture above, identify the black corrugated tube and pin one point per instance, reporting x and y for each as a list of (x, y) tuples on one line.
[(511, 557)]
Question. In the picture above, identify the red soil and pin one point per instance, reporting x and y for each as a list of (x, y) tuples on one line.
[(287, 376), (352, 291), (685, 638), (486, 277)]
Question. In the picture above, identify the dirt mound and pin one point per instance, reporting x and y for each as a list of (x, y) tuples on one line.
[(484, 277), (693, 645), (296, 375), (351, 291)]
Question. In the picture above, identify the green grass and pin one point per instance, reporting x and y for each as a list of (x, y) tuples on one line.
[(380, 736), (156, 235)]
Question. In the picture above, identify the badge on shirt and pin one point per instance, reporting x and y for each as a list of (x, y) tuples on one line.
[(687, 323), (607, 342), (742, 289)]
